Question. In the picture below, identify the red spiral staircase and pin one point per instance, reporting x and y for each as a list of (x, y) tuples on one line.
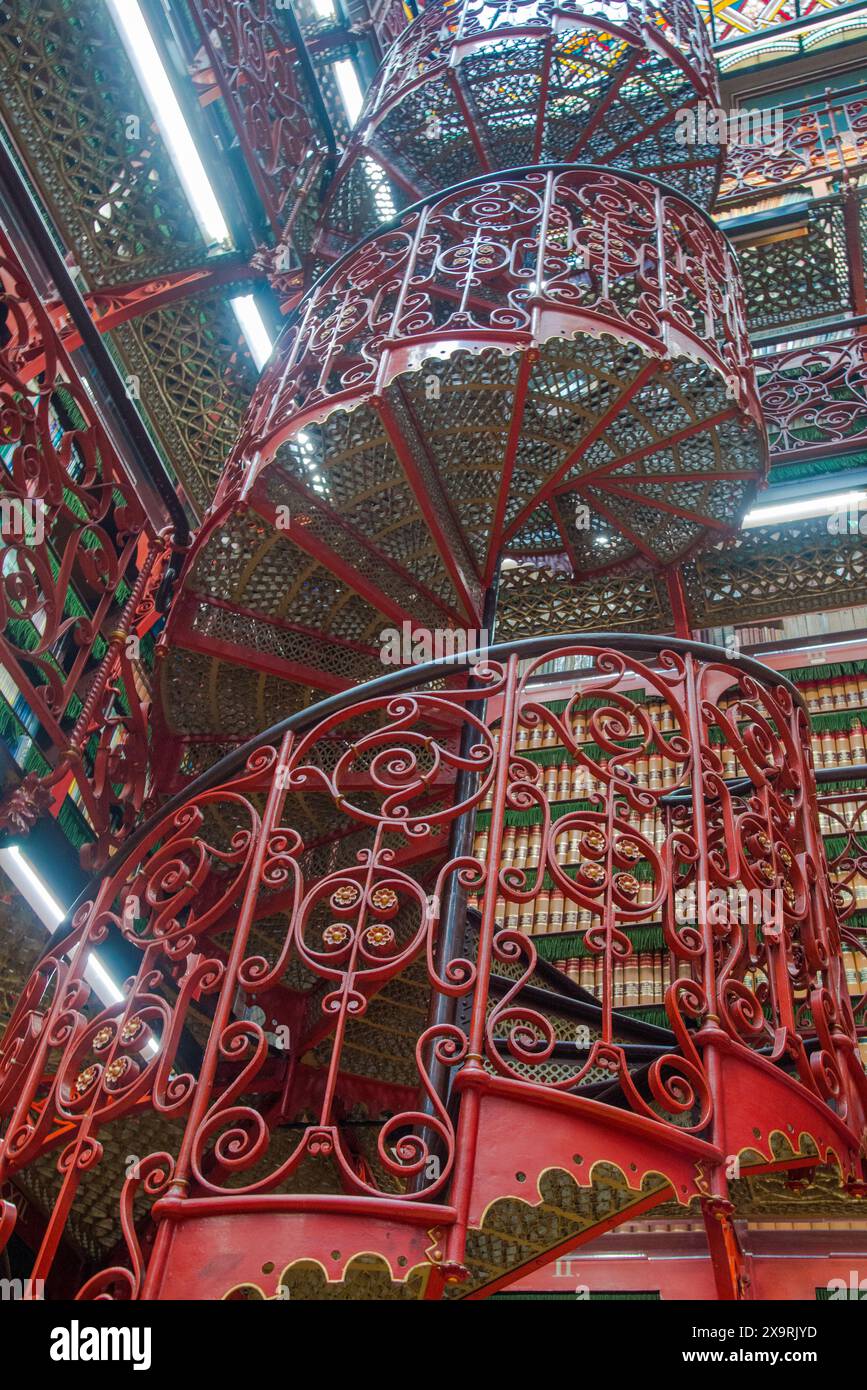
[(335, 1070)]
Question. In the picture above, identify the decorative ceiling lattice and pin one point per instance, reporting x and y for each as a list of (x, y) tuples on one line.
[(194, 377), (765, 572), (71, 101), (105, 178)]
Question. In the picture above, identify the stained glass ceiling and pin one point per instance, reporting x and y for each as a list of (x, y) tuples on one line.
[(731, 19)]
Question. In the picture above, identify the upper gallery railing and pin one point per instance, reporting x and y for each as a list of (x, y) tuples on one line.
[(80, 563), (271, 93), (820, 138), (814, 398)]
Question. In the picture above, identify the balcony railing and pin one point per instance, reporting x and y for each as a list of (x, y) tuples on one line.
[(266, 80), (81, 564), (813, 140), (843, 821), (814, 398)]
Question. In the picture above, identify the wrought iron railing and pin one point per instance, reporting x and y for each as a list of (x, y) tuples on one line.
[(472, 87), (546, 263), (843, 821), (267, 82), (813, 398), (81, 562), (310, 1022), (816, 139)]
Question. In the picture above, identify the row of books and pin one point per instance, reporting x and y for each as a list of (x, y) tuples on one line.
[(545, 735), (855, 965), (522, 845), (643, 977), (551, 911), (829, 694), (840, 747), (548, 913), (570, 781), (851, 812), (824, 695)]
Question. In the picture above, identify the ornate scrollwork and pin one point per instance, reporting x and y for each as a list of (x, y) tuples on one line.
[(331, 994), (77, 550)]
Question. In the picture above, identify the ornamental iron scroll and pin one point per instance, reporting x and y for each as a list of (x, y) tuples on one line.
[(814, 398), (812, 141), (843, 823), (528, 348), (81, 563), (296, 1006), (277, 114), (473, 88)]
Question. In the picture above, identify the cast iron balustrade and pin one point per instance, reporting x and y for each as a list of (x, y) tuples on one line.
[(813, 140), (543, 359), (81, 562), (474, 87), (329, 1068), (814, 398), (843, 821), (266, 79)]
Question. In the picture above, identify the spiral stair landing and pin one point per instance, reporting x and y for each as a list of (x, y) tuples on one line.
[(449, 394), (477, 88), (554, 1207)]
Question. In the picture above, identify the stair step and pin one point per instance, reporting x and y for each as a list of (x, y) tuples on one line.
[(588, 1010)]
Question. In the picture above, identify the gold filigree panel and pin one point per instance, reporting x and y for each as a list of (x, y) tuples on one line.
[(81, 123)]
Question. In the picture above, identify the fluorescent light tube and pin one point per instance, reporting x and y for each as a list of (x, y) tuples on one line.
[(157, 86)]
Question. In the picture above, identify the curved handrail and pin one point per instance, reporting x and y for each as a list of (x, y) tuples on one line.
[(492, 176), (407, 678)]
